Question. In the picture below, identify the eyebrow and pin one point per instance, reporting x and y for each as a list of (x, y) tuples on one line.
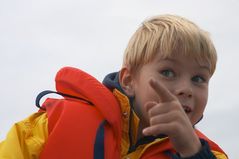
[(175, 61), (205, 67), (169, 59)]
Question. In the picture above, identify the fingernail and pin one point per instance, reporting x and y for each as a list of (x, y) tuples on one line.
[(152, 80)]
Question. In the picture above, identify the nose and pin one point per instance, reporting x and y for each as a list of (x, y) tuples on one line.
[(184, 89)]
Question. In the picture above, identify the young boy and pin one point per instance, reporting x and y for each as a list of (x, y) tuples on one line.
[(147, 110)]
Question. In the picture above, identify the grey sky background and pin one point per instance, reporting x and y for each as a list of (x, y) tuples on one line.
[(37, 38)]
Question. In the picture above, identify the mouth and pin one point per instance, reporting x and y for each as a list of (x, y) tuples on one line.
[(187, 109)]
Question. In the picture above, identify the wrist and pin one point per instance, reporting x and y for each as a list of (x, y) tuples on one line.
[(192, 148), (204, 152)]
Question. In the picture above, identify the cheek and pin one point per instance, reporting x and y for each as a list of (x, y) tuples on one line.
[(143, 94), (140, 110), (202, 100), (200, 104)]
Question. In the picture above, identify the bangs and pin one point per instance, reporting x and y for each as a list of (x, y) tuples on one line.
[(190, 43)]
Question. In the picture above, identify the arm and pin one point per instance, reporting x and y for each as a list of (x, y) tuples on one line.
[(204, 153), (25, 140)]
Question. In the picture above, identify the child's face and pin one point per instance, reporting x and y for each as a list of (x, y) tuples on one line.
[(185, 78)]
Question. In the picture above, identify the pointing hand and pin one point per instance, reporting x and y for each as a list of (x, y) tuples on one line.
[(167, 116)]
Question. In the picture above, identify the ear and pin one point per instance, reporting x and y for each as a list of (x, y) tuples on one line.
[(126, 81)]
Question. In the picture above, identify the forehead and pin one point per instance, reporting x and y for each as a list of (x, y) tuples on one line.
[(179, 59)]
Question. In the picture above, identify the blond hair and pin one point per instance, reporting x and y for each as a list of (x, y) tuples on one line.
[(168, 35)]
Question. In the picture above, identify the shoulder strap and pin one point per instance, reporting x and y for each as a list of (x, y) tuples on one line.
[(99, 142), (46, 92)]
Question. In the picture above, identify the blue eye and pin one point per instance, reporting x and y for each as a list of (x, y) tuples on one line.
[(168, 73), (198, 79)]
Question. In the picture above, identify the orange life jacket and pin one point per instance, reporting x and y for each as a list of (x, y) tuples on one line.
[(77, 128), (86, 124)]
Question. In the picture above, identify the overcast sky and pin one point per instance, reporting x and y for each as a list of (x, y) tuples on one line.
[(37, 38)]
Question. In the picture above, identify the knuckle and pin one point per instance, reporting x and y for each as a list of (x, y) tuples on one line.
[(150, 113), (152, 121)]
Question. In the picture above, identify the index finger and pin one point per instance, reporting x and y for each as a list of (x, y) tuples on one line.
[(162, 91)]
